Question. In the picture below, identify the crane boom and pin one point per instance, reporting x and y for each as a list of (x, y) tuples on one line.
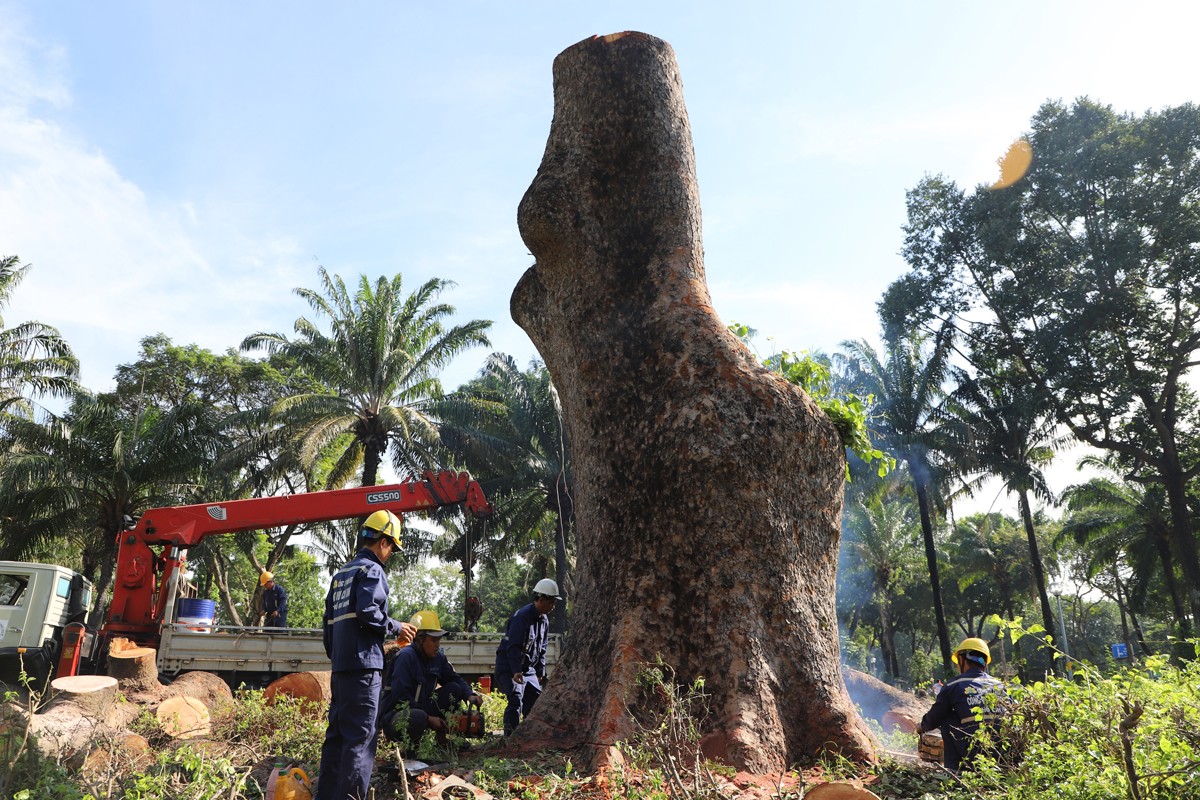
[(141, 574)]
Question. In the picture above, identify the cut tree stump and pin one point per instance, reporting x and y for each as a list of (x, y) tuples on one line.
[(183, 717), (206, 687), (94, 695), (708, 490), (135, 668), (310, 686), (83, 708)]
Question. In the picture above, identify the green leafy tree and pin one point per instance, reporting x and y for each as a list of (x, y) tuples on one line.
[(1085, 274), (991, 564), (34, 358), (379, 363), (505, 426), (1124, 527), (1001, 426), (82, 477), (337, 542), (881, 539), (254, 460), (906, 385)]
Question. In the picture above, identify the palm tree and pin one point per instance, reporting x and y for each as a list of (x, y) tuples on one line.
[(84, 476), (506, 427), (906, 386), (33, 356), (990, 562), (380, 363), (1001, 427), (880, 540), (1117, 521)]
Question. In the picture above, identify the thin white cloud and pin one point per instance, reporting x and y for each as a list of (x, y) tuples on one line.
[(31, 71), (109, 264)]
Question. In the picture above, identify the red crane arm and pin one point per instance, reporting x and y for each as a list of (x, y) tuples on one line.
[(186, 526), (138, 600)]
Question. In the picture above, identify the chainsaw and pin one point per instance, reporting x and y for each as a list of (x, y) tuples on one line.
[(470, 723)]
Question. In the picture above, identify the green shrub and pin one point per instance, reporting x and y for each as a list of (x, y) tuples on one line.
[(289, 728)]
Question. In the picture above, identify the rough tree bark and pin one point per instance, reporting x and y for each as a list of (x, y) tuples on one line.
[(708, 490)]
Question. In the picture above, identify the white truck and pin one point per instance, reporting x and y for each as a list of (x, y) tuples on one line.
[(37, 602), (42, 605)]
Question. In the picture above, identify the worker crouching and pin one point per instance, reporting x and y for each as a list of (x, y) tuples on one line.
[(423, 687), (966, 703)]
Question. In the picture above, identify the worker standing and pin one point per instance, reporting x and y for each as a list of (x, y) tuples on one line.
[(355, 624), (521, 656), (422, 686), (964, 703), (274, 600)]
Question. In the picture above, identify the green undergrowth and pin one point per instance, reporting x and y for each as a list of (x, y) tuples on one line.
[(1131, 735)]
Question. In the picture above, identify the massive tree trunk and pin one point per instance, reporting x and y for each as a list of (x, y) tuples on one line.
[(708, 491)]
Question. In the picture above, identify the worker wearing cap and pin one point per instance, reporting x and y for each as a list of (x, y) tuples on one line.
[(965, 703), (274, 601), (423, 686), (355, 624), (521, 656)]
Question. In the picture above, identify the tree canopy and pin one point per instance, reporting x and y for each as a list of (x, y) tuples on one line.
[(379, 364), (1086, 275)]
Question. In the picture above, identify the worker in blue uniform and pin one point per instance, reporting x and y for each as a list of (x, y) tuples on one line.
[(422, 686), (965, 703), (355, 625), (521, 656), (274, 601)]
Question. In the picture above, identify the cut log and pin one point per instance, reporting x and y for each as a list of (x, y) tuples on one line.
[(708, 490), (885, 704), (313, 687), (931, 747), (135, 668), (83, 708), (94, 695), (204, 686), (183, 717)]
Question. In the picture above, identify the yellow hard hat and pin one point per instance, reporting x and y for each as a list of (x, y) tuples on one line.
[(974, 645), (265, 578), (382, 523), (427, 622)]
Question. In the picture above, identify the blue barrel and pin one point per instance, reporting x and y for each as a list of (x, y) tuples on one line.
[(196, 612)]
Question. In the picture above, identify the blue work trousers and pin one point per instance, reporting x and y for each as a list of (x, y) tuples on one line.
[(348, 755), (520, 700)]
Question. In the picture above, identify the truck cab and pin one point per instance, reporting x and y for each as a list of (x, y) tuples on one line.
[(36, 602)]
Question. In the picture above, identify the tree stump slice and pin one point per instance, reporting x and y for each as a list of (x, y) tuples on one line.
[(313, 687), (183, 717), (94, 695), (206, 687), (708, 490), (135, 668)]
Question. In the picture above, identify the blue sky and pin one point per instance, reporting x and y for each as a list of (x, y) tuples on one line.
[(180, 167)]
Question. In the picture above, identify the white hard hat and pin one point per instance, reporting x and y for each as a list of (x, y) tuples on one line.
[(547, 588)]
